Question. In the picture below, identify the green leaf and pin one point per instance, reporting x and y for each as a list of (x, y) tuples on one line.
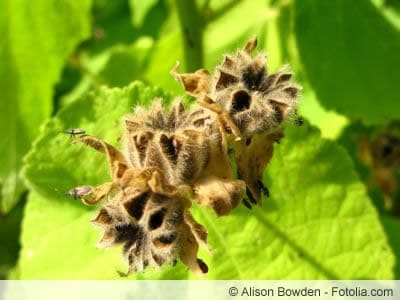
[(255, 18), (350, 57), (392, 227), (318, 223), (127, 63), (162, 61), (36, 41), (140, 9), (390, 9), (330, 123), (10, 226)]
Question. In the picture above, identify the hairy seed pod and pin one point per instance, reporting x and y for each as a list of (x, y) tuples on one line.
[(250, 104)]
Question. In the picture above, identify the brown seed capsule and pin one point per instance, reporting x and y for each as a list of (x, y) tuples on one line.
[(251, 105), (152, 222), (189, 147)]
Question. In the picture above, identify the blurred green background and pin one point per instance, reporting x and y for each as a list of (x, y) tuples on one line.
[(345, 54)]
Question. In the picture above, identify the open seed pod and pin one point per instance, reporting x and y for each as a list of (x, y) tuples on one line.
[(177, 141), (255, 101), (149, 217), (189, 147), (153, 223), (250, 104)]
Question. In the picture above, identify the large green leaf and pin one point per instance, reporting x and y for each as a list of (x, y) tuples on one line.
[(255, 19), (36, 39), (10, 227), (330, 123), (140, 9), (350, 54), (318, 223), (392, 227)]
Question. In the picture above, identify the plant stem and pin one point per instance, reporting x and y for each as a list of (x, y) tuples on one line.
[(192, 29)]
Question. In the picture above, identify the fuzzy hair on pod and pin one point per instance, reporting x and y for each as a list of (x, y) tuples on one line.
[(177, 141), (251, 104), (154, 225), (143, 213), (257, 102), (189, 147)]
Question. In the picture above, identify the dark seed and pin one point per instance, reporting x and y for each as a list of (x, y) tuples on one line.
[(126, 232), (168, 238), (157, 219), (203, 266), (253, 78), (241, 101), (170, 146), (250, 196), (135, 206), (263, 188), (247, 204)]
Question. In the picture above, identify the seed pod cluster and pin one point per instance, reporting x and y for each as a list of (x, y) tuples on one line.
[(250, 104), (172, 157)]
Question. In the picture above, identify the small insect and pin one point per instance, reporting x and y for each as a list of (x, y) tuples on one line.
[(75, 131), (79, 192)]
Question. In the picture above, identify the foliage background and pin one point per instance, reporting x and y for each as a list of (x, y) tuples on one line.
[(70, 64)]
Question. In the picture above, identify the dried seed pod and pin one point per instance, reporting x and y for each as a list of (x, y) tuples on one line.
[(187, 145), (152, 222), (250, 104), (385, 150), (382, 155), (255, 101), (144, 213), (150, 218), (252, 157), (176, 141)]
